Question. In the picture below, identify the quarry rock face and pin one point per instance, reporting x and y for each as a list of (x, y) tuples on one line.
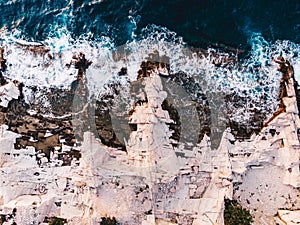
[(151, 177)]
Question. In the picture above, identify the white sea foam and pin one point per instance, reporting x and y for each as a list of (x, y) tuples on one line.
[(256, 79)]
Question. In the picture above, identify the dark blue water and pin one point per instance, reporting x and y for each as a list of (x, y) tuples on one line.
[(201, 23)]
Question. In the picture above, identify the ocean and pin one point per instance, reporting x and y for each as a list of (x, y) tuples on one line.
[(253, 32), (200, 22)]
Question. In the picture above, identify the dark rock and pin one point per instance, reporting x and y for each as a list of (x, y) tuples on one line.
[(2, 79), (123, 71), (2, 60), (37, 49)]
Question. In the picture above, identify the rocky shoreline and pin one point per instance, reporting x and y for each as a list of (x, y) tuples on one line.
[(136, 154)]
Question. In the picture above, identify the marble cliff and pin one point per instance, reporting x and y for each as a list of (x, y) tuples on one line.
[(136, 163)]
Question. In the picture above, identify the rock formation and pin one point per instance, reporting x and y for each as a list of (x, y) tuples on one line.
[(146, 175), (266, 167)]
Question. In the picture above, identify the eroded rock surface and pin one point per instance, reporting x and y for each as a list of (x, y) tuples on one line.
[(138, 163)]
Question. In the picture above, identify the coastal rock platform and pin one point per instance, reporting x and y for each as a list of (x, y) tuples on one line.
[(146, 169)]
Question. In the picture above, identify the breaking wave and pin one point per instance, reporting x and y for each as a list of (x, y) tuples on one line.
[(254, 79)]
